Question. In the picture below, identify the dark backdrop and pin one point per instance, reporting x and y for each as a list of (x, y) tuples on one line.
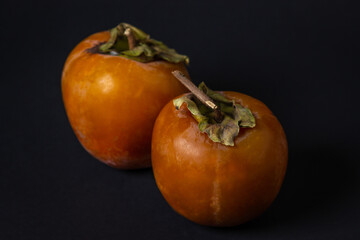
[(300, 57)]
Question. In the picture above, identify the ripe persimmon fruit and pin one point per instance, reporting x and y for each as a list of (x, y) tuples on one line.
[(219, 158), (114, 84)]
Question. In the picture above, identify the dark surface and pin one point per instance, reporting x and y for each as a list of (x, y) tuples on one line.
[(299, 57)]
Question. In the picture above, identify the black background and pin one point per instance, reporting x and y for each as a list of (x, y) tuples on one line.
[(300, 57)]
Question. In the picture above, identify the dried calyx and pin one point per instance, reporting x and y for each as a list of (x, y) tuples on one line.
[(219, 117), (130, 42)]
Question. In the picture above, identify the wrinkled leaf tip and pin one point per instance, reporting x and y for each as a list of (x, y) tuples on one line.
[(187, 60), (202, 85), (230, 144), (178, 102)]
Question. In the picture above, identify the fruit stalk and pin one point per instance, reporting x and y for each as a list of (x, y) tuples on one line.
[(131, 39), (205, 99)]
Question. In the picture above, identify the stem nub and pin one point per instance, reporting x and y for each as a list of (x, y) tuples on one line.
[(131, 39)]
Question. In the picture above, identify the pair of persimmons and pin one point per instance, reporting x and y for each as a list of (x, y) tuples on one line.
[(219, 158)]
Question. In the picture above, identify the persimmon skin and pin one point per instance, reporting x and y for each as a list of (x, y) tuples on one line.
[(112, 102), (213, 184)]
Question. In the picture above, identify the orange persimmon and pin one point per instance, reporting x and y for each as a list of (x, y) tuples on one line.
[(113, 88), (215, 184)]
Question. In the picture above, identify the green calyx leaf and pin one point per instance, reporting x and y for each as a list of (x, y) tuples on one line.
[(234, 116), (145, 50)]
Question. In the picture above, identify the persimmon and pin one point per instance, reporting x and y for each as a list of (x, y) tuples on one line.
[(219, 158), (114, 84)]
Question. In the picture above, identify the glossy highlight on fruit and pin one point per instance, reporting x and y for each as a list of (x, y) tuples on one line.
[(213, 184), (112, 101)]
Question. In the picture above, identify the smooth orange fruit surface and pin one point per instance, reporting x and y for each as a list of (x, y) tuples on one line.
[(213, 184), (112, 102)]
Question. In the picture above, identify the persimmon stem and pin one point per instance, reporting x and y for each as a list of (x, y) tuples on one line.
[(205, 99), (131, 39)]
